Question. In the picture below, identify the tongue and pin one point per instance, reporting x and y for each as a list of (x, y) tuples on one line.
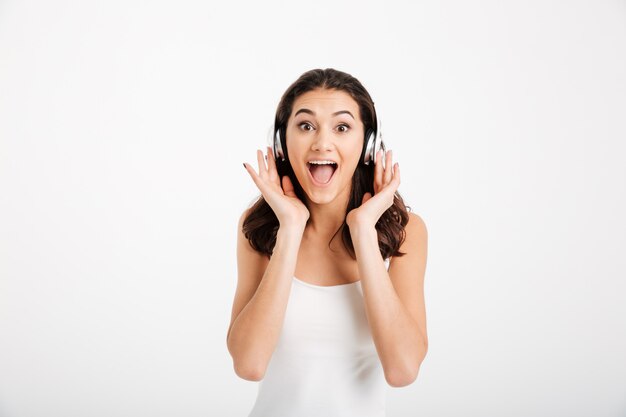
[(322, 173)]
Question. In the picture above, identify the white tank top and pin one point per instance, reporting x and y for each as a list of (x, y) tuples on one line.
[(325, 362)]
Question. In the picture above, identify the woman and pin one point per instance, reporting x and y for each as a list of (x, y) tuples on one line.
[(324, 321)]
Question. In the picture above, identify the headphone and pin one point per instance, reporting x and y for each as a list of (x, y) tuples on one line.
[(372, 143)]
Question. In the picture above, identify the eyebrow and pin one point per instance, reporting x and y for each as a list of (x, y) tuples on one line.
[(311, 112)]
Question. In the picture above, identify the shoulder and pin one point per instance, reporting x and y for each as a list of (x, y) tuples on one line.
[(416, 232), (242, 217), (415, 243), (251, 264), (243, 244), (416, 223)]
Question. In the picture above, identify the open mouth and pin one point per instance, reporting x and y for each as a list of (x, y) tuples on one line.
[(322, 173)]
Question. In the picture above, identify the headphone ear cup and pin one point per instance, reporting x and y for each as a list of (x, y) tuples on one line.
[(369, 147), (278, 146)]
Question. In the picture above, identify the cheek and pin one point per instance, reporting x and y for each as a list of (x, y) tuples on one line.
[(352, 153), (294, 149), (295, 140)]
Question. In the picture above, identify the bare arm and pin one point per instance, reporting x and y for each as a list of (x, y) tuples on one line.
[(254, 333), (263, 287), (394, 299)]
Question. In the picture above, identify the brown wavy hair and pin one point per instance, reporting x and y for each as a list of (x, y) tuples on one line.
[(261, 224)]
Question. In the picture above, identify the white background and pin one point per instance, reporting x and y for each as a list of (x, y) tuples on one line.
[(123, 128)]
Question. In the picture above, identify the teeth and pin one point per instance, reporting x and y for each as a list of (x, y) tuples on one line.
[(323, 162)]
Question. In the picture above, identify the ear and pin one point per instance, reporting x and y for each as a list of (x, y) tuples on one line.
[(366, 197)]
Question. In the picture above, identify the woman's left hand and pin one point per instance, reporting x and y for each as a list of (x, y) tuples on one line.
[(386, 182)]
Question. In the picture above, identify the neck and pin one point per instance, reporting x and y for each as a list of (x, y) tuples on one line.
[(325, 219)]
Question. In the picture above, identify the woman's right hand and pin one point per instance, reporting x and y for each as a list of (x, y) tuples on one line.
[(290, 211)]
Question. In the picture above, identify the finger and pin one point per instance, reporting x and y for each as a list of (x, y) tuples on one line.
[(261, 162), (395, 181), (388, 167), (288, 187), (257, 180), (378, 171), (271, 166), (366, 197)]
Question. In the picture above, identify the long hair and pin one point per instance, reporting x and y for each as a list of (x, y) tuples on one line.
[(261, 224)]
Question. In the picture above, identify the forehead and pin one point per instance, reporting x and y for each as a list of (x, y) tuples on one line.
[(325, 102)]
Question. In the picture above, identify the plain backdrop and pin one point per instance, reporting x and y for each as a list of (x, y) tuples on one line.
[(123, 128)]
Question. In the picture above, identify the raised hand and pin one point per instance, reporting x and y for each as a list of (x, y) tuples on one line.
[(289, 210), (386, 182)]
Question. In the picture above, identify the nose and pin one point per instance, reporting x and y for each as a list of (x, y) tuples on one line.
[(323, 141)]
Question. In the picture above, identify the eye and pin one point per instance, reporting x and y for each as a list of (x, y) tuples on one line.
[(305, 126), (343, 127)]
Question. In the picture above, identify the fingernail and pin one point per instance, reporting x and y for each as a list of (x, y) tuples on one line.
[(244, 164)]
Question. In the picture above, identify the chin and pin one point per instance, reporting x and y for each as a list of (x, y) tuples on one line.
[(321, 198)]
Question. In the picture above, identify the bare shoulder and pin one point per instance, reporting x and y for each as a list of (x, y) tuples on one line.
[(251, 264), (412, 265), (417, 224), (416, 239), (243, 244)]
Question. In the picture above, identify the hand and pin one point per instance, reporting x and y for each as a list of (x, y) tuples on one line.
[(286, 205), (386, 182)]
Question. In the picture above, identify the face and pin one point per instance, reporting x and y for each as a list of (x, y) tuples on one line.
[(325, 125)]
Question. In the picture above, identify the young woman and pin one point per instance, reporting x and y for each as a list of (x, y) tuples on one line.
[(329, 306)]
